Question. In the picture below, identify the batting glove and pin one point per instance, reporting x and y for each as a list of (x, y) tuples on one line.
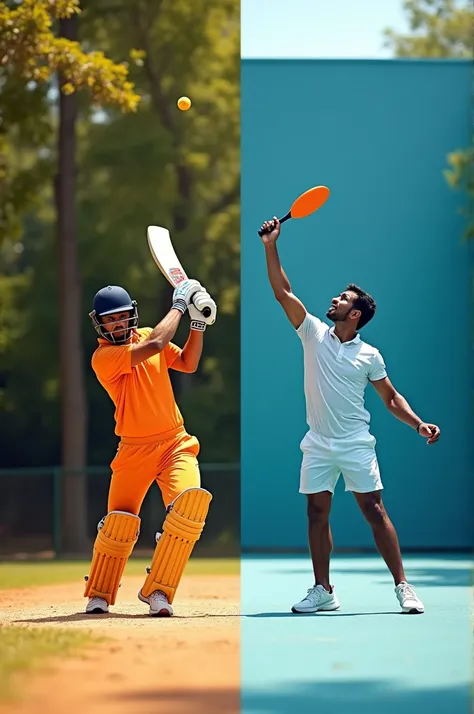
[(183, 294), (198, 321)]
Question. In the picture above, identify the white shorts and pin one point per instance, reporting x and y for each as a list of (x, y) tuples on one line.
[(324, 460)]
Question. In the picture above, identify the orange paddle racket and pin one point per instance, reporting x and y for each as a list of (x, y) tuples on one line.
[(304, 205)]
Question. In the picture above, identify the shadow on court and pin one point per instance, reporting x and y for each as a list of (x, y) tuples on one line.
[(356, 697), (435, 575), (321, 614), (184, 701), (342, 697), (83, 617), (426, 577)]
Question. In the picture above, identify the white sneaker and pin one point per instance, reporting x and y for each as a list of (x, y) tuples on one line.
[(316, 599), (407, 597), (158, 602), (97, 606)]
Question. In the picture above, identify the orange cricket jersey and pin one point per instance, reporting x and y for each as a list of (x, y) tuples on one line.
[(143, 396)]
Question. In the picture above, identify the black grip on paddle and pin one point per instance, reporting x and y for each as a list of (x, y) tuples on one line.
[(269, 230)]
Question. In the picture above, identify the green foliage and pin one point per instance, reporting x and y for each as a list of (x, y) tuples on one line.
[(438, 28), (461, 177), (157, 165), (443, 28), (29, 47), (26, 133), (30, 56)]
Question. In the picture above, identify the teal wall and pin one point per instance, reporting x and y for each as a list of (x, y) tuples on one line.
[(377, 133)]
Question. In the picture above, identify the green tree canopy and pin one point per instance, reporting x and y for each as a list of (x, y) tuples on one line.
[(442, 28), (438, 28), (31, 53)]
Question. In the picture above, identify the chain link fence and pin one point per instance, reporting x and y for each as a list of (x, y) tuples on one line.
[(31, 523)]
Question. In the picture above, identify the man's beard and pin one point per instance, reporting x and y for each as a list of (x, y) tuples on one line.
[(334, 316), (121, 336)]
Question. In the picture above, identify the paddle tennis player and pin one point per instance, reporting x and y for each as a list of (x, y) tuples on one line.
[(132, 364), (338, 365)]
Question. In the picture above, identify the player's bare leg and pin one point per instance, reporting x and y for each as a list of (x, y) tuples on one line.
[(385, 536), (320, 536), (321, 596), (386, 540)]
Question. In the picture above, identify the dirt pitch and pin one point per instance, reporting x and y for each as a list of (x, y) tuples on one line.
[(185, 664)]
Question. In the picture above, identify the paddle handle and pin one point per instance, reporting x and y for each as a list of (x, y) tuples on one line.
[(269, 230)]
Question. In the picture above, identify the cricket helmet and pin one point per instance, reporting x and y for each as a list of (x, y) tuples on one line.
[(108, 301)]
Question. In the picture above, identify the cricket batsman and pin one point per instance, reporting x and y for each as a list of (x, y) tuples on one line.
[(132, 364)]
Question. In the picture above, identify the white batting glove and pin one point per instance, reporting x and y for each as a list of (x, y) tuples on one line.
[(183, 293), (198, 321)]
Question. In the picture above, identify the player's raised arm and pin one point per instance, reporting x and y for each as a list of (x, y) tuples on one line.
[(165, 330), (294, 308), (190, 356)]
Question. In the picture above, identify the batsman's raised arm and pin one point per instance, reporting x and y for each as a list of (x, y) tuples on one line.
[(165, 330), (294, 308), (188, 360)]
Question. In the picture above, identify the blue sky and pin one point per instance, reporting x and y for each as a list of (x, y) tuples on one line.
[(318, 28)]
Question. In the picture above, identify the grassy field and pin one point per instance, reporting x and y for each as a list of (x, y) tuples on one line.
[(24, 649), (30, 574)]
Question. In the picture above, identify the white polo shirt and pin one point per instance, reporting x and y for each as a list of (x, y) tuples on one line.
[(336, 375)]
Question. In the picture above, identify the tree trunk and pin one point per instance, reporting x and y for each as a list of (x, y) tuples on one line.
[(73, 402)]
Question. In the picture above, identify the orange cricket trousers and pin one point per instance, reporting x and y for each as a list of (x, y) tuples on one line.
[(170, 459)]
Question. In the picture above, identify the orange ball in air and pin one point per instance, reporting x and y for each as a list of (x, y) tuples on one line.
[(184, 103)]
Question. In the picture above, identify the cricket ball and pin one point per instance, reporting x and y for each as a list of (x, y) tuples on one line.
[(184, 103)]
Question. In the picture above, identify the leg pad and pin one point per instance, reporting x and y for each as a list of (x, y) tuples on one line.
[(117, 534), (184, 523)]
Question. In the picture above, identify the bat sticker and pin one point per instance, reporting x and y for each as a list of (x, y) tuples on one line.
[(177, 275)]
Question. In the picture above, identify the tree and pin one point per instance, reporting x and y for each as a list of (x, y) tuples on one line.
[(442, 28), (461, 177), (439, 28), (30, 56), (31, 52)]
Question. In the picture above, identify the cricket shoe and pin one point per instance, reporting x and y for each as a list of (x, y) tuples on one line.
[(96, 606), (158, 602), (408, 599), (317, 598)]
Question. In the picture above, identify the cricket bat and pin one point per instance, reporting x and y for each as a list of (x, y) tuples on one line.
[(164, 255)]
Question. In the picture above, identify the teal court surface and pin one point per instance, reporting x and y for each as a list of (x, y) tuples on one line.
[(365, 657)]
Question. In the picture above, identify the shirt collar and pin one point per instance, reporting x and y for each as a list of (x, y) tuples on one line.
[(355, 340)]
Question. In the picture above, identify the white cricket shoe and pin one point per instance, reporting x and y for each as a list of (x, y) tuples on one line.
[(317, 598), (407, 597), (97, 606), (158, 602)]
